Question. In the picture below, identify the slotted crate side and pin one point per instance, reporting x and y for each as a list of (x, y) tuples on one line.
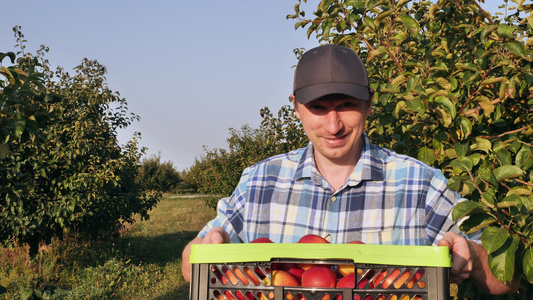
[(244, 271), (237, 280)]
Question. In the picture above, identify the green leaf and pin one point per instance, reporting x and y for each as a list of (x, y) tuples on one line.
[(355, 3), (369, 22), (482, 145), (489, 197), (466, 127), (485, 173), (411, 24), (476, 222), (445, 84), (523, 156), (427, 155), (19, 124), (11, 56), (326, 27), (516, 48), (4, 150), (510, 200), (485, 104), (445, 116), (527, 202), (501, 262), (466, 208), (493, 238), (467, 66), (462, 163), (461, 149), (492, 80), (399, 80), (447, 104), (519, 191), (454, 183), (506, 172), (487, 30), (528, 264), (505, 31)]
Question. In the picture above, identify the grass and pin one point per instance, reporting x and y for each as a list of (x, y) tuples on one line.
[(143, 263)]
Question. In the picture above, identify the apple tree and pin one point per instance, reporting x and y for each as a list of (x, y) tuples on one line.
[(158, 176), (453, 89), (63, 167)]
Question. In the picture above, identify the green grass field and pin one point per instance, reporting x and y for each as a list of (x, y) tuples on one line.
[(143, 263)]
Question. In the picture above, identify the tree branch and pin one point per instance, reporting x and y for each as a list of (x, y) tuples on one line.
[(475, 110), (506, 133)]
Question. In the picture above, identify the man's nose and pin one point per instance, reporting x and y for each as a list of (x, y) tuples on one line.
[(333, 123)]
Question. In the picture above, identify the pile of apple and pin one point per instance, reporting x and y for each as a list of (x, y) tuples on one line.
[(312, 275), (321, 275)]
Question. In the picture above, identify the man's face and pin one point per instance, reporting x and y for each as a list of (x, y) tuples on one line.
[(335, 125)]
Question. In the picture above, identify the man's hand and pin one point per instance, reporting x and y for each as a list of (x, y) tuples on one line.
[(470, 260), (461, 256), (217, 235)]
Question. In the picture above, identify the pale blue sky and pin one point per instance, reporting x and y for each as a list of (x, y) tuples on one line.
[(190, 69)]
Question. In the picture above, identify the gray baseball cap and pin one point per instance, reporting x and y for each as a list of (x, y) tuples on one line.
[(330, 69)]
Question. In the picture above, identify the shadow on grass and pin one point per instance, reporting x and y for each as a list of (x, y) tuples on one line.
[(159, 250), (178, 294)]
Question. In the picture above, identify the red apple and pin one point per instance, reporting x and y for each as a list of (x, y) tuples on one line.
[(375, 282), (282, 278), (252, 275), (233, 279), (402, 279), (313, 239), (238, 294), (365, 279), (355, 242), (319, 276), (345, 270), (411, 283), (388, 281), (347, 281), (291, 268), (262, 240)]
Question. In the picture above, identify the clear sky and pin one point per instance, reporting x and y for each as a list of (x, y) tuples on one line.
[(190, 69)]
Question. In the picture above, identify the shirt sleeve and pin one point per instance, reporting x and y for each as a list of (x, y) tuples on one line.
[(439, 205), (229, 212)]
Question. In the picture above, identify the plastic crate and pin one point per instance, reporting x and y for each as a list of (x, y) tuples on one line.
[(383, 272)]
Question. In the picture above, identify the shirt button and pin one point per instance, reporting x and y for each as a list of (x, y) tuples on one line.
[(333, 198)]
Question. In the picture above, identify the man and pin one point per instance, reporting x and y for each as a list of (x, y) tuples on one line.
[(341, 185)]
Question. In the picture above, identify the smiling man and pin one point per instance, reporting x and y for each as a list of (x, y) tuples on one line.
[(342, 185)]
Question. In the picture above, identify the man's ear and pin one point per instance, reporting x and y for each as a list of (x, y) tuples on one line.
[(295, 106), (371, 92), (369, 111)]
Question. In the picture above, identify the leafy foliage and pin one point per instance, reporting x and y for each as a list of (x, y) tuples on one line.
[(454, 89), (158, 176), (219, 170), (64, 168)]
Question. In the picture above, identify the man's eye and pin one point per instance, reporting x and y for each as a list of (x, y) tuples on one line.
[(348, 104), (315, 107)]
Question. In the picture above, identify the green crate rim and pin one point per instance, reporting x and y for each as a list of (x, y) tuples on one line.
[(428, 256)]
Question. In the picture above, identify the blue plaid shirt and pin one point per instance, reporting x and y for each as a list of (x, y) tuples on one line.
[(388, 199)]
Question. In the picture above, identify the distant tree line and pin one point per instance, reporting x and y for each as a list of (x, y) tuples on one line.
[(217, 172), (161, 177)]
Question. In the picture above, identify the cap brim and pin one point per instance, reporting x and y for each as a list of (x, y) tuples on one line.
[(311, 93)]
